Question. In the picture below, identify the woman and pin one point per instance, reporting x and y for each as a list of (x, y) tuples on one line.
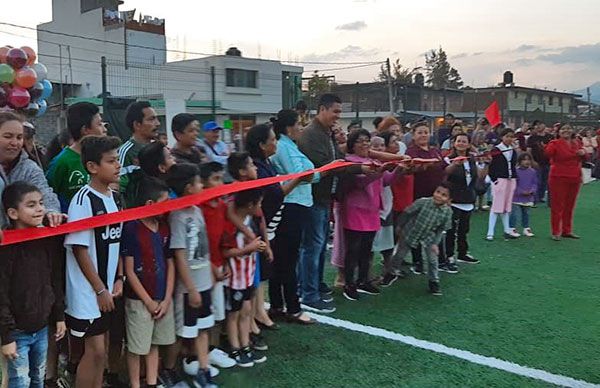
[(589, 143), (185, 129), (391, 124), (283, 285), (565, 154), (261, 144)]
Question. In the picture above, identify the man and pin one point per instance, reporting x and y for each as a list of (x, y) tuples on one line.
[(143, 122), (302, 110), (446, 130), (317, 143), (535, 146), (215, 149)]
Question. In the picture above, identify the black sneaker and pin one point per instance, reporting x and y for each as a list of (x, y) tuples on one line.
[(169, 378), (434, 288), (351, 293), (448, 267), (325, 289), (258, 342), (326, 298), (319, 307), (417, 269), (241, 358), (468, 259), (368, 288), (256, 357), (388, 279), (203, 380)]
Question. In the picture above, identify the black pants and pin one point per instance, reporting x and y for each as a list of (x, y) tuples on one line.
[(457, 236), (283, 285), (358, 253), (417, 255)]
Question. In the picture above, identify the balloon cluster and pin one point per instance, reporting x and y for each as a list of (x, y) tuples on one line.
[(23, 82)]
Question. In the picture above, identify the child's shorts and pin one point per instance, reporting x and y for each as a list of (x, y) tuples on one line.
[(189, 321), (235, 298), (143, 331), (85, 328), (218, 301)]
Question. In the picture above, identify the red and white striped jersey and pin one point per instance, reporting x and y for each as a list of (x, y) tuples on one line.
[(243, 268)]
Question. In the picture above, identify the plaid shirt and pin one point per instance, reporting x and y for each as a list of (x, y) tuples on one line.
[(425, 222)]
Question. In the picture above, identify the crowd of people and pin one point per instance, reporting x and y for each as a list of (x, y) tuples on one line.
[(184, 292)]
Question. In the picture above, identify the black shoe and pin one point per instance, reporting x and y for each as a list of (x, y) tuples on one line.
[(417, 269), (326, 298), (468, 259), (256, 357), (388, 280), (258, 342), (203, 380), (368, 288), (325, 289), (351, 293), (319, 307), (448, 267), (241, 359), (434, 288)]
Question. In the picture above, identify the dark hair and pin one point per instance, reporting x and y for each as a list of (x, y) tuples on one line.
[(235, 162), (387, 137), (256, 135), (150, 157), (353, 138), (419, 124), (536, 122), (505, 131), (453, 139), (135, 113), (376, 121), (9, 116), (524, 155), (456, 125), (80, 115), (181, 175), (181, 121), (285, 118), (209, 168), (445, 185), (57, 144), (13, 194), (327, 100), (247, 197), (149, 189), (94, 147), (301, 105), (449, 115)]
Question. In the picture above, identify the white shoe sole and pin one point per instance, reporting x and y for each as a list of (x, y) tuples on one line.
[(349, 297), (315, 310), (367, 292)]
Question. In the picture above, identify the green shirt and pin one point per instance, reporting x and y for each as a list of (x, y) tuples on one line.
[(66, 175), (128, 158), (426, 222)]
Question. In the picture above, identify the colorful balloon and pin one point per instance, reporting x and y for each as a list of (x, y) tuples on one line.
[(3, 97), (7, 73), (16, 57), (43, 105), (3, 52), (31, 55), (19, 97), (36, 90), (25, 77), (47, 89), (32, 109), (41, 71)]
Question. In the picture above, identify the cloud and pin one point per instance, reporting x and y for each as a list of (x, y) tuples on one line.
[(587, 53), (354, 26), (526, 47), (348, 52), (458, 56)]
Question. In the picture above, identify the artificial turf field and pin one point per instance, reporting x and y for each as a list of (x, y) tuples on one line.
[(531, 301)]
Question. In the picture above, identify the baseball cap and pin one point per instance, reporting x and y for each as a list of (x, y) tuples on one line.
[(211, 126)]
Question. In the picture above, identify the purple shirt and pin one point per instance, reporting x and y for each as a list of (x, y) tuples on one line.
[(527, 182)]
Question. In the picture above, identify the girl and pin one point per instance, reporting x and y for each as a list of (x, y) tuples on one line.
[(503, 174), (524, 193)]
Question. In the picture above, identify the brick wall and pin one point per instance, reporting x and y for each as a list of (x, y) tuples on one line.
[(46, 126)]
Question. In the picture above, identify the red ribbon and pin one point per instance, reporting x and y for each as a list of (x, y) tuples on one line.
[(21, 235)]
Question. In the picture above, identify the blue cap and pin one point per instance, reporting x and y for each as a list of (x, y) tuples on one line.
[(211, 126)]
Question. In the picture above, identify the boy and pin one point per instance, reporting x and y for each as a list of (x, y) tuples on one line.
[(189, 242), (94, 272), (150, 280), (423, 223), (241, 254), (30, 289)]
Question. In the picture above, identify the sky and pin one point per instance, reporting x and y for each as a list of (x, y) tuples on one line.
[(552, 44)]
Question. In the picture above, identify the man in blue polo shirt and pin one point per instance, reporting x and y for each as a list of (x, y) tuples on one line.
[(216, 150)]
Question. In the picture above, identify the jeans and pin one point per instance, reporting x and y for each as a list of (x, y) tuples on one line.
[(402, 249), (524, 211), (29, 369), (457, 236), (358, 254), (543, 171), (312, 252)]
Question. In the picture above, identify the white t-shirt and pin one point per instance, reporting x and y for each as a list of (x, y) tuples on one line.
[(103, 248)]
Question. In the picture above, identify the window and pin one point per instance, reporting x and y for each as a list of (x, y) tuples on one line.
[(240, 78), (560, 101), (551, 100), (540, 99), (516, 94), (529, 98)]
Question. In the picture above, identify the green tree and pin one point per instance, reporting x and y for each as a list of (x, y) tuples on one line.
[(400, 74), (318, 84), (439, 72)]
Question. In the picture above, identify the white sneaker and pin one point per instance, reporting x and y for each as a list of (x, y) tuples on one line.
[(528, 233), (191, 368), (220, 358), (214, 372), (489, 237), (512, 233)]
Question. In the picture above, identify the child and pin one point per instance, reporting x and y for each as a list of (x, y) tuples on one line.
[(241, 255), (94, 271), (524, 197), (193, 315), (150, 280), (215, 214), (423, 224), (31, 290), (502, 172)]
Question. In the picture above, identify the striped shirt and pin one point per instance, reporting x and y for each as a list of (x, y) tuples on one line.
[(242, 267), (128, 159)]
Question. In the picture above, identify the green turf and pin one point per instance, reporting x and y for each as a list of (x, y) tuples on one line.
[(532, 301)]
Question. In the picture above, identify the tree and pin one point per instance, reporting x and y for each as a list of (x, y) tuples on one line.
[(400, 74), (439, 72), (318, 84)]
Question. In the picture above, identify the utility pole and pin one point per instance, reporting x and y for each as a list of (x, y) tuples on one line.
[(103, 72), (589, 98), (357, 101), (389, 79), (125, 43), (213, 105), (70, 70)]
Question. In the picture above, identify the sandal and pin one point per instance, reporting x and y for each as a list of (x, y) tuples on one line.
[(297, 318), (271, 327)]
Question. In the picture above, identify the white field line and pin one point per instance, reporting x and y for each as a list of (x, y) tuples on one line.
[(491, 362)]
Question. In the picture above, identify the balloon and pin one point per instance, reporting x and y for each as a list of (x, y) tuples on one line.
[(18, 97), (36, 90), (3, 97), (32, 109), (16, 57), (31, 56), (47, 89), (3, 52), (7, 74), (25, 77), (43, 105), (41, 71)]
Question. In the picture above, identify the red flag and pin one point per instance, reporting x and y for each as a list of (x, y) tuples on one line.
[(492, 113)]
